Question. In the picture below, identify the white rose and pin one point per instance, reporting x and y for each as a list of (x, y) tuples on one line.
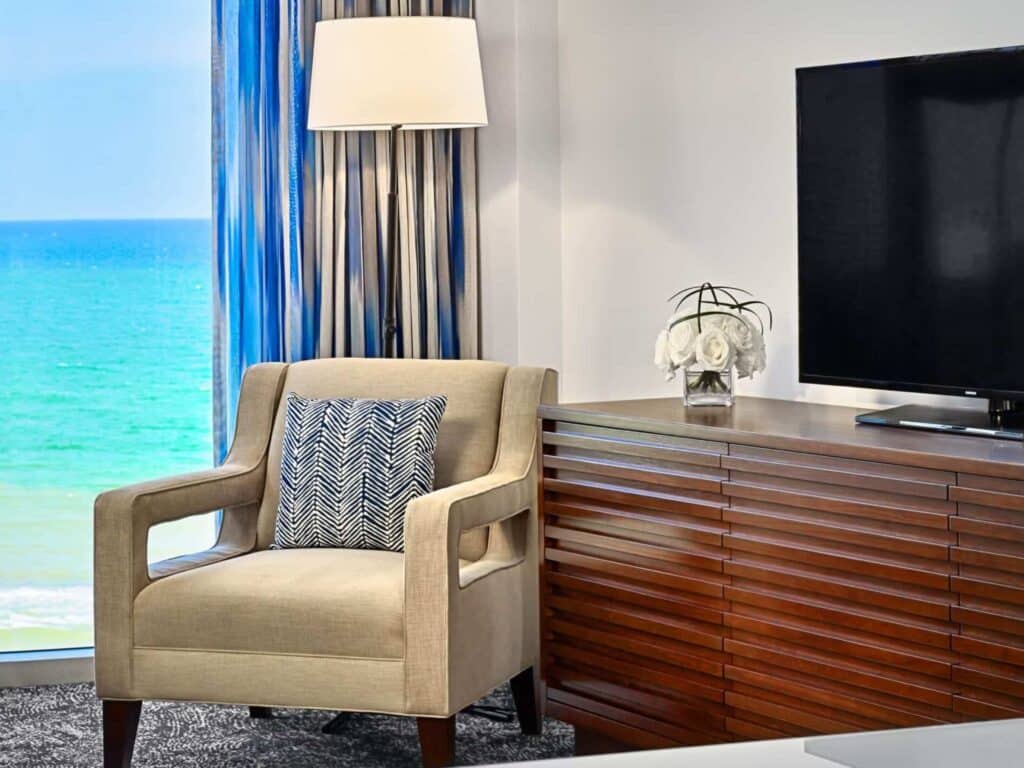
[(740, 333), (682, 343), (714, 351), (713, 321), (745, 364), (760, 354), (752, 360), (661, 356)]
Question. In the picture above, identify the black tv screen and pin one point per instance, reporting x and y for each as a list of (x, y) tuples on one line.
[(911, 223)]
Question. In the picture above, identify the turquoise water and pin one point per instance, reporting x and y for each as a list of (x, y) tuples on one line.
[(105, 376)]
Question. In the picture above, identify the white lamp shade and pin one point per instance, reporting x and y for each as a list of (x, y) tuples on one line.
[(418, 72)]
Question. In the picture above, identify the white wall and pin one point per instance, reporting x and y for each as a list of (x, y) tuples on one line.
[(678, 164), (519, 183), (497, 185)]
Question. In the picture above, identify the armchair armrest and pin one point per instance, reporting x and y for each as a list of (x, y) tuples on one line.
[(123, 517), (437, 520), (473, 503)]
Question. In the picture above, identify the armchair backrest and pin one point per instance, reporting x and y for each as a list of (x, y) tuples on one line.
[(468, 436)]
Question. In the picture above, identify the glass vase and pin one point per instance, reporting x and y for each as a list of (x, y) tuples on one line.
[(707, 387)]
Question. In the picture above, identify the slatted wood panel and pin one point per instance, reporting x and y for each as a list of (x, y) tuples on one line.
[(989, 555), (634, 580), (696, 591), (823, 555)]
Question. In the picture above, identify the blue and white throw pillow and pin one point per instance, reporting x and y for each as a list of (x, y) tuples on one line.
[(350, 466)]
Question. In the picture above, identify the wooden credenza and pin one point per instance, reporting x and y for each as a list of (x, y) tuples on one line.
[(772, 570)]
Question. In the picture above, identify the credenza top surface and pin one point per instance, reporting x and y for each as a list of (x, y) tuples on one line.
[(798, 426)]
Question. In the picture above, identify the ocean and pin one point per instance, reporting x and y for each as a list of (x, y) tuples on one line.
[(105, 371)]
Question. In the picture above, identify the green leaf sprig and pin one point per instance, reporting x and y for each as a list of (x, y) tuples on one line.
[(727, 305)]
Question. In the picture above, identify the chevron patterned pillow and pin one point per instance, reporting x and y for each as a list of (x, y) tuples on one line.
[(350, 466)]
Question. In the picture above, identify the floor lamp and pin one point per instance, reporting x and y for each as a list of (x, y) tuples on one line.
[(395, 73)]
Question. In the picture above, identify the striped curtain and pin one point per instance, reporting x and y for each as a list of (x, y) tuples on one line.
[(300, 217)]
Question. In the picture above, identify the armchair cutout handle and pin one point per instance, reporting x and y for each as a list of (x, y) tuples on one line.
[(506, 549)]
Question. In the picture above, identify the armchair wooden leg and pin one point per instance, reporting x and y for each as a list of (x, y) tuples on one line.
[(437, 741), (261, 713), (120, 724), (526, 692)]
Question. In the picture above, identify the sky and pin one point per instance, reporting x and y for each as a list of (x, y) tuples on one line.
[(104, 109)]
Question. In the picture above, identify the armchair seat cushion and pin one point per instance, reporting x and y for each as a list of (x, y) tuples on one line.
[(315, 602)]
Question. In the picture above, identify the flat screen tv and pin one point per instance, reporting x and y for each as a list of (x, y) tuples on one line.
[(911, 224)]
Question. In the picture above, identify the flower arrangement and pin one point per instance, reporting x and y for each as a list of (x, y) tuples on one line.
[(711, 333)]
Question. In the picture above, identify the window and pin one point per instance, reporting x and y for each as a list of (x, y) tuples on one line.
[(105, 300)]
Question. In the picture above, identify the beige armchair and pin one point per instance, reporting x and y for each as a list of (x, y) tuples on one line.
[(422, 633)]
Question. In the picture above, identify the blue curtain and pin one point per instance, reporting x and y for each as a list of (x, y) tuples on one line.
[(299, 216)]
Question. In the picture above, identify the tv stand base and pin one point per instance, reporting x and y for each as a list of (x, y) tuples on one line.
[(1004, 420)]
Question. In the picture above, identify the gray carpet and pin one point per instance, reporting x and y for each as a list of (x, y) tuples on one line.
[(59, 727)]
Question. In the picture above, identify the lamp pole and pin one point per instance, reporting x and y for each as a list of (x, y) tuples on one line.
[(391, 261)]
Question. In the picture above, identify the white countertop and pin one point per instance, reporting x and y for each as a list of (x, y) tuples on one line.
[(997, 744)]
